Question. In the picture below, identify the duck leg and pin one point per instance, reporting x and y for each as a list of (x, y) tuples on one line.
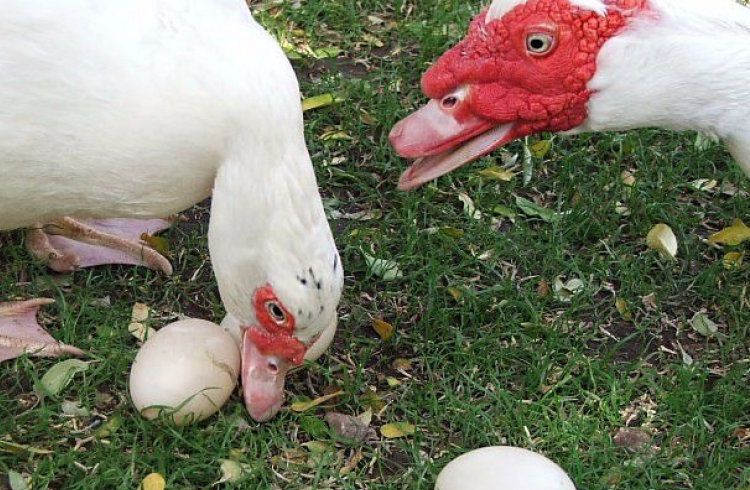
[(20, 333), (68, 244)]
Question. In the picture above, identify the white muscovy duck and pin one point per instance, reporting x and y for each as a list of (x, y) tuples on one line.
[(137, 109), (582, 65)]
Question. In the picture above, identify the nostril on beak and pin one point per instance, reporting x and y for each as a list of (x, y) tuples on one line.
[(273, 367)]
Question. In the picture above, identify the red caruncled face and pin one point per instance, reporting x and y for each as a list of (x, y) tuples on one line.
[(521, 74), (269, 348)]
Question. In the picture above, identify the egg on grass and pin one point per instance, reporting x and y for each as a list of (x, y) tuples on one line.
[(503, 468), (185, 372)]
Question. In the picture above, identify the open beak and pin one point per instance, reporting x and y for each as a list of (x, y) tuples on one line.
[(442, 140), (262, 380)]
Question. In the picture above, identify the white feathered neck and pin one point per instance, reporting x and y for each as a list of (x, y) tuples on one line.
[(684, 65)]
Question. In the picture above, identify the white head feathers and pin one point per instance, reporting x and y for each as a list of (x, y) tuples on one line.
[(499, 8)]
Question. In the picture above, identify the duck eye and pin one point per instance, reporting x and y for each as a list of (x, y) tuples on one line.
[(276, 312), (449, 101), (539, 43)]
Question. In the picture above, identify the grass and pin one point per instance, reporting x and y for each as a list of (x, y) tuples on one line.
[(495, 357)]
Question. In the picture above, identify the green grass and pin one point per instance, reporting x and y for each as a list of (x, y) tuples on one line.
[(503, 363)]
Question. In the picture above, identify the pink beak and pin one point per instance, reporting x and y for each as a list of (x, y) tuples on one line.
[(443, 139), (262, 380)]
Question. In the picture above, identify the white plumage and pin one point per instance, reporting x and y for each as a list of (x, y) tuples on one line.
[(141, 108), (684, 65)]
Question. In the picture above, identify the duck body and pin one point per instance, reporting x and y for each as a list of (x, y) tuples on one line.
[(128, 108), (134, 109)]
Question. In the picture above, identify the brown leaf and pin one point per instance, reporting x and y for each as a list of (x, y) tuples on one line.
[(630, 438), (351, 465), (402, 364), (383, 328), (543, 289), (349, 426)]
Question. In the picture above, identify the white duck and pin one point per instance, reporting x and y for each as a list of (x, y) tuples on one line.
[(582, 65), (138, 109)]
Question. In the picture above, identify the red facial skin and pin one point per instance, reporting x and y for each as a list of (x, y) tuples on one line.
[(272, 338), (506, 83), (268, 350)]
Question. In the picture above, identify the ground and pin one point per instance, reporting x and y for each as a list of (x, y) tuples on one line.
[(486, 351)]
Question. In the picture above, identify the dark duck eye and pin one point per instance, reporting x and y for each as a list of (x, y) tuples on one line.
[(539, 43), (276, 312)]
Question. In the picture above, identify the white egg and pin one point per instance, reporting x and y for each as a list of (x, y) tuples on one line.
[(187, 370), (502, 468)]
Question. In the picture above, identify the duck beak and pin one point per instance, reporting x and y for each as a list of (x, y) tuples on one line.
[(262, 380)]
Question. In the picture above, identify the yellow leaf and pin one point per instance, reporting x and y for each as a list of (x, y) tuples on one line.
[(457, 293), (383, 328), (154, 481), (397, 429), (734, 235), (401, 364), (732, 260), (158, 243), (335, 134), (623, 309), (540, 148), (370, 39), (319, 101), (661, 238), (305, 406), (392, 382), (497, 173)]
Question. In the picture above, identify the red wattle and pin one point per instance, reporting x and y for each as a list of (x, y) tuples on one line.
[(281, 345)]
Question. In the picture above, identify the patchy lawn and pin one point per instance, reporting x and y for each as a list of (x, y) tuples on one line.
[(614, 377)]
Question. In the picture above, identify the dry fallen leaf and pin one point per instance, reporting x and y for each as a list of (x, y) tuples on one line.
[(630, 438), (232, 471), (59, 376), (497, 173), (139, 330), (732, 260), (388, 270), (349, 426), (307, 405), (154, 481), (702, 324), (539, 149), (318, 101), (733, 235), (469, 207), (397, 429), (627, 178), (662, 239), (703, 184), (624, 309), (564, 291), (383, 328), (17, 481), (352, 463)]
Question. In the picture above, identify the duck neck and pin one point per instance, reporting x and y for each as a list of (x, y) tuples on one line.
[(683, 65), (267, 218)]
